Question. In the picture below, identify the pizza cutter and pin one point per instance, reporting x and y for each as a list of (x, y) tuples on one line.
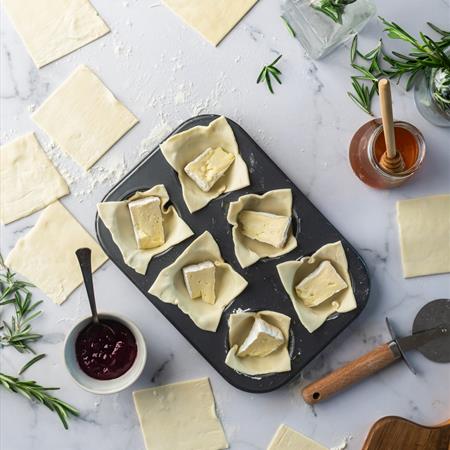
[(430, 336)]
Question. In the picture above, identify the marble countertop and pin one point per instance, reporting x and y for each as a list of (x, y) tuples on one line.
[(165, 73)]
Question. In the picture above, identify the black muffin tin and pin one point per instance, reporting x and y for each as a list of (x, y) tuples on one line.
[(264, 290)]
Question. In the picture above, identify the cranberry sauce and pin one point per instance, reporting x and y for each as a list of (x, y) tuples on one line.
[(105, 352)]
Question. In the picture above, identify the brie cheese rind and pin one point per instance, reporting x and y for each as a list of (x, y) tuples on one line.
[(424, 228), (248, 251), (200, 281), (147, 221), (28, 179), (240, 325), (209, 167), (288, 439), (46, 254), (293, 272), (180, 416), (320, 285), (265, 227), (169, 286), (212, 19), (182, 148), (116, 217), (262, 340)]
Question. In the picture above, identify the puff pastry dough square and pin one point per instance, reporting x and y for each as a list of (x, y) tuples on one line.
[(288, 439), (180, 416), (248, 251), (184, 147), (292, 272), (28, 179), (51, 29), (116, 217), (240, 325), (46, 255), (169, 286), (424, 227), (213, 19), (84, 118)]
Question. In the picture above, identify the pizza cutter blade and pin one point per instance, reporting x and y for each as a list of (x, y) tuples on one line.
[(430, 336)]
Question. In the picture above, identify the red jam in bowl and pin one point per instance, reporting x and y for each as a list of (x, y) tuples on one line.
[(105, 352)]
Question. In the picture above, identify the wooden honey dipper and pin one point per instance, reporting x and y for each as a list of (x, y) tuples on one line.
[(391, 161)]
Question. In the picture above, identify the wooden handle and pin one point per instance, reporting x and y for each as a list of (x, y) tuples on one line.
[(384, 89), (352, 373)]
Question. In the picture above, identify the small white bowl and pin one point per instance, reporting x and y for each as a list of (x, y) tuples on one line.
[(104, 386)]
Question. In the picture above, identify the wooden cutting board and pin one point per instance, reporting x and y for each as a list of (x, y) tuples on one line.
[(396, 433)]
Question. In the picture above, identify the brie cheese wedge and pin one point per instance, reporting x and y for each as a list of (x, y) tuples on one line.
[(262, 340), (320, 285), (147, 222), (264, 227), (208, 167), (200, 281)]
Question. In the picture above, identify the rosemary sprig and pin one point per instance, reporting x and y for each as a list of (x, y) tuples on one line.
[(31, 362), (268, 72), (425, 53), (17, 333), (33, 391), (289, 27), (334, 9)]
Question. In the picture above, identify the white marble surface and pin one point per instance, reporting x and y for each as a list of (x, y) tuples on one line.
[(165, 73)]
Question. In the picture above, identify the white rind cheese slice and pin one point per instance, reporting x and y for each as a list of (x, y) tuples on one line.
[(320, 285), (262, 340), (200, 281), (265, 227), (147, 222), (208, 167)]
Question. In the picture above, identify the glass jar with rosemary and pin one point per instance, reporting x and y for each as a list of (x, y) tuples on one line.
[(323, 25)]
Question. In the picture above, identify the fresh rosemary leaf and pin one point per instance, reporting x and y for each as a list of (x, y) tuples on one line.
[(31, 362), (353, 49), (438, 30), (268, 72), (289, 27)]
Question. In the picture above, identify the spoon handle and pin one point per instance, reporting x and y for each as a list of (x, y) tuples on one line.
[(384, 88), (84, 259)]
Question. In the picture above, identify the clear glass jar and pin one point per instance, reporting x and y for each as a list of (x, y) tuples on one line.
[(430, 83), (367, 147), (318, 33)]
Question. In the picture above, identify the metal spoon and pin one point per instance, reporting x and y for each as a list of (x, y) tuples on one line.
[(84, 259)]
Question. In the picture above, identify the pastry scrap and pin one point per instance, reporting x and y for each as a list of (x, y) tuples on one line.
[(171, 287), (84, 118), (180, 416), (200, 280), (207, 161), (29, 178), (208, 167), (135, 226), (288, 439), (424, 228), (319, 285), (262, 226), (51, 29), (212, 19), (46, 254), (147, 220), (258, 342)]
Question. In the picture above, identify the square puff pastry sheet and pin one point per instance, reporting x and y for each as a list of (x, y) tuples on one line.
[(247, 250), (184, 147), (288, 439), (424, 227), (116, 217), (240, 325), (292, 272), (46, 254), (180, 416), (29, 177), (51, 29), (169, 286), (213, 19)]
